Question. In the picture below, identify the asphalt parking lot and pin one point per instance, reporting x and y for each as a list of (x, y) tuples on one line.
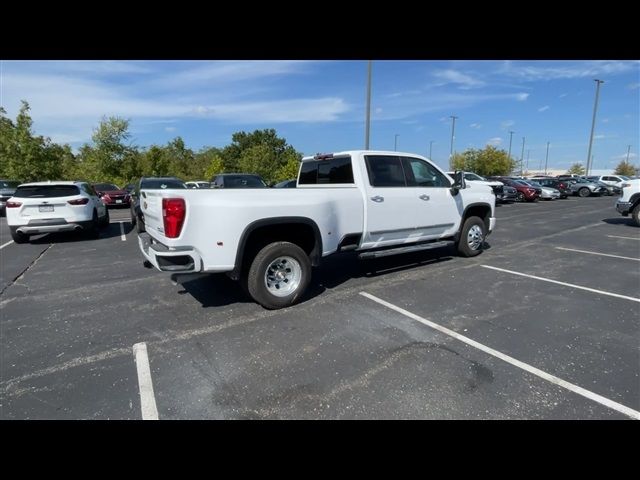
[(542, 325)]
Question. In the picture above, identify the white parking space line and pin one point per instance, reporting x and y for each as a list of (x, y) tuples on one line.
[(8, 243), (147, 398), (122, 235), (628, 238), (602, 292), (598, 253), (517, 363)]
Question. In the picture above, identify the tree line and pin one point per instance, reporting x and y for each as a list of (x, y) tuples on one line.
[(110, 157)]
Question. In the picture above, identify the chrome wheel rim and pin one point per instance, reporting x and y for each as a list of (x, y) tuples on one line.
[(283, 276), (474, 237)]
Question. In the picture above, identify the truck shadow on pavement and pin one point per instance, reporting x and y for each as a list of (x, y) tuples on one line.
[(620, 221), (217, 290)]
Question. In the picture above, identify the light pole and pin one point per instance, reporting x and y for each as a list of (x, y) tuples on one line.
[(593, 123), (522, 158), (368, 114), (510, 139), (395, 142), (431, 149), (546, 160), (453, 131), (628, 151), (528, 153)]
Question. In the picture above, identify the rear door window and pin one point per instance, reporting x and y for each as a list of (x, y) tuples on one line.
[(331, 171), (47, 191)]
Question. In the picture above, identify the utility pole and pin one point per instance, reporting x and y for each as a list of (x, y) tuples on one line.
[(430, 149), (522, 158), (528, 153), (593, 123), (628, 151), (368, 114), (453, 130), (395, 142), (546, 160)]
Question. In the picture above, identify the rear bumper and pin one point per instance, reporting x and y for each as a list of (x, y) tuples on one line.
[(50, 226), (183, 259)]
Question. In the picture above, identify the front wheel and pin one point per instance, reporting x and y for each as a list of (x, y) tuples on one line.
[(520, 197), (635, 215), (472, 237), (584, 192), (279, 275)]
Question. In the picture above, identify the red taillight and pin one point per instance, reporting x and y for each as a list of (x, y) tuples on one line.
[(13, 204), (173, 213), (79, 201)]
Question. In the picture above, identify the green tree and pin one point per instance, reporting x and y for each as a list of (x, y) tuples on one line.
[(576, 169), (487, 161), (215, 167), (243, 141), (289, 169), (625, 168)]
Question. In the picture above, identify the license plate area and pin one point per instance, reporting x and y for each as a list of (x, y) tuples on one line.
[(118, 201), (45, 208)]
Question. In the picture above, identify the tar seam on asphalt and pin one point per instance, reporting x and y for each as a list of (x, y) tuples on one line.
[(19, 276)]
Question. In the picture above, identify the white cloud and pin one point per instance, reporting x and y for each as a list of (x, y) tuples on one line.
[(378, 110), (495, 141), (476, 125), (521, 97), (506, 124), (599, 136), (562, 95), (545, 108), (462, 79), (606, 120), (633, 86), (170, 129), (565, 70)]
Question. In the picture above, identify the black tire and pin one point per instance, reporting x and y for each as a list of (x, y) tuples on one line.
[(584, 192), (464, 249), (255, 278), (520, 197), (93, 230), (133, 217), (17, 236), (635, 215), (140, 226), (105, 219)]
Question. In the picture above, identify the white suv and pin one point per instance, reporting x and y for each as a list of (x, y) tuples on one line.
[(45, 207)]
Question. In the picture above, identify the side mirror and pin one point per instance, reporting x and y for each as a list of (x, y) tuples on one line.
[(458, 182)]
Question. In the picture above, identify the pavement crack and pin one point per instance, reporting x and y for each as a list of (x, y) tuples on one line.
[(21, 274)]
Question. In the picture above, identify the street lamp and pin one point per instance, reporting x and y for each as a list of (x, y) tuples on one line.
[(593, 123), (431, 148), (546, 160), (522, 158), (368, 114), (395, 142), (453, 130)]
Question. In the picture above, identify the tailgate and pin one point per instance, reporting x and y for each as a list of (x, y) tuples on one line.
[(151, 208)]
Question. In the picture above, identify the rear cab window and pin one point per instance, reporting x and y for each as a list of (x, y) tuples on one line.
[(330, 171), (47, 191)]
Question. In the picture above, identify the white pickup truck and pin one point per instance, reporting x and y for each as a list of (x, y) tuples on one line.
[(374, 202), (629, 201)]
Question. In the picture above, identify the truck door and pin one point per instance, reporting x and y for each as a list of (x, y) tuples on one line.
[(408, 200)]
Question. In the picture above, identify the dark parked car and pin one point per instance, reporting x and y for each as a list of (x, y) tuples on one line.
[(149, 183), (111, 195), (287, 184), (7, 189), (237, 180)]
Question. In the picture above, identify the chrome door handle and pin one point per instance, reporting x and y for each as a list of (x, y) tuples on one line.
[(424, 197), (377, 198)]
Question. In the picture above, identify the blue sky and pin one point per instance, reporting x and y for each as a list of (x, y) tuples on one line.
[(319, 106)]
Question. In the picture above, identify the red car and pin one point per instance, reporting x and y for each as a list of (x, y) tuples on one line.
[(526, 193), (111, 195)]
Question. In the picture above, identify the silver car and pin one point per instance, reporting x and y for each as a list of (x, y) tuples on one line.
[(7, 189), (548, 193), (585, 188)]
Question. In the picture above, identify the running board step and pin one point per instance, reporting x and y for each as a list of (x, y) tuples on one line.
[(412, 248)]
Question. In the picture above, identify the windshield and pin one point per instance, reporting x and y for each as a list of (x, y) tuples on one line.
[(47, 191), (624, 177), (105, 187), (243, 181), (8, 184), (473, 176)]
